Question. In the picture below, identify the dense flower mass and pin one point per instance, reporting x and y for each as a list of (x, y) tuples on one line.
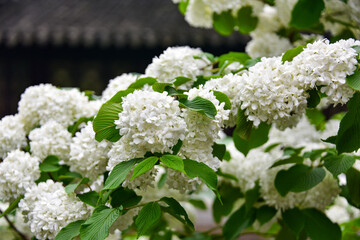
[(12, 134), (18, 172), (48, 208), (151, 120), (121, 82), (179, 61)]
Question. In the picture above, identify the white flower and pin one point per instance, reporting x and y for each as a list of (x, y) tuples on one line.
[(198, 14), (42, 103), (121, 82), (151, 120), (270, 93), (48, 208), (322, 63), (179, 61), (229, 85), (284, 9), (50, 139), (18, 172), (88, 156), (219, 6), (268, 20), (179, 181), (342, 211), (12, 134), (267, 45)]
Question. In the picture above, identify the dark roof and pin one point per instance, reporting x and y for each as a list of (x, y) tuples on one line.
[(119, 23)]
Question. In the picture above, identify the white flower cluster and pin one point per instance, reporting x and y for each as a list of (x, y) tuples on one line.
[(179, 61), (18, 172), (42, 103), (87, 156), (48, 208), (50, 139), (12, 134), (121, 82)]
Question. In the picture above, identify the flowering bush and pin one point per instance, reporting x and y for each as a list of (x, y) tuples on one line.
[(153, 147)]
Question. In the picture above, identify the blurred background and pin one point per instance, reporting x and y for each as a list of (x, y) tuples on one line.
[(85, 43)]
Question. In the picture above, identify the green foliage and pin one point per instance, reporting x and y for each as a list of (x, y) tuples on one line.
[(198, 203), (306, 13), (89, 198), (224, 23), (12, 206), (288, 160), (219, 150), (291, 53), (75, 127), (98, 224), (72, 187), (147, 218), (339, 164), (233, 57), (348, 137), (319, 227), (50, 164), (251, 196), (181, 80), (354, 80), (173, 162), (351, 229), (265, 214), (183, 6), (237, 222), (198, 169), (118, 174), (243, 125), (160, 86), (294, 219), (223, 98), (257, 137), (124, 197), (144, 166), (176, 210), (298, 178), (314, 98), (316, 118), (201, 105), (141, 82), (245, 21), (70, 231), (353, 183)]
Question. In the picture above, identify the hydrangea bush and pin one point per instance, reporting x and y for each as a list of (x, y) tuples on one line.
[(243, 135)]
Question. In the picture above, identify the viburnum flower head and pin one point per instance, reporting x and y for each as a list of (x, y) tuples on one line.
[(121, 82), (151, 120), (18, 172), (12, 134), (179, 61), (48, 208)]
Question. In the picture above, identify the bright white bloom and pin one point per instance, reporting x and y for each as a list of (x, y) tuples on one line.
[(88, 156), (219, 6), (18, 172), (179, 61), (48, 208), (50, 139), (267, 45), (284, 9), (42, 103), (322, 63), (151, 120), (342, 211), (308, 38), (179, 181), (229, 85), (121, 82), (270, 93), (198, 14), (268, 20), (12, 134)]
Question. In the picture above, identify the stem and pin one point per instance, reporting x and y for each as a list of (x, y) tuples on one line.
[(332, 19), (51, 176), (13, 227)]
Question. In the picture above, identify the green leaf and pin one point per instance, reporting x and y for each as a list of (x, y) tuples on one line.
[(353, 183), (226, 175), (118, 97), (291, 53), (257, 137), (265, 214), (331, 139), (124, 197), (144, 166), (238, 221), (314, 98), (183, 6), (252, 62), (176, 210), (89, 198), (291, 159), (99, 223), (298, 178), (219, 150), (243, 125), (198, 169), (233, 57), (354, 80), (181, 80), (104, 122), (162, 180), (50, 164), (118, 174), (141, 82), (12, 206), (306, 13), (148, 217), (173, 162), (70, 231), (201, 105), (319, 227), (316, 118), (294, 219), (176, 148), (338, 164), (197, 203), (160, 87), (224, 23), (223, 98), (251, 196), (75, 127), (286, 234), (357, 48), (245, 21), (348, 138), (72, 187)]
